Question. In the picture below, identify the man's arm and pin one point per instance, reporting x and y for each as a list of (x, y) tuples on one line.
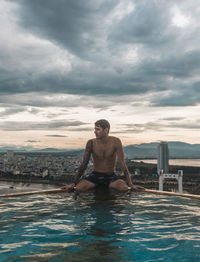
[(120, 156), (85, 161), (82, 168)]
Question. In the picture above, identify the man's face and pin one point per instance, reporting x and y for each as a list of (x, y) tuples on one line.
[(100, 132)]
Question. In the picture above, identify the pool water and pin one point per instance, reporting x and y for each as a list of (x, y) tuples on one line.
[(99, 226)]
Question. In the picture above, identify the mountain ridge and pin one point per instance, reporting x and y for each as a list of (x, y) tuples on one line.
[(177, 149)]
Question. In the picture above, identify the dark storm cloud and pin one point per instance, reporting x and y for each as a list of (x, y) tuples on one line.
[(173, 118), (168, 56), (80, 129), (34, 111), (72, 24), (64, 123), (160, 126), (182, 65), (41, 100), (11, 111), (32, 141), (88, 83), (183, 95), (56, 124), (55, 136), (147, 24)]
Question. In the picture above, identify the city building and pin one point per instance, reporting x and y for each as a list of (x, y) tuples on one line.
[(10, 154), (163, 158)]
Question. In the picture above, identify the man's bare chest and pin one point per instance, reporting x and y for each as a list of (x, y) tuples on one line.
[(104, 151)]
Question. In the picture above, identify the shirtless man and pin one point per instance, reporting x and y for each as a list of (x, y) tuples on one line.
[(105, 150)]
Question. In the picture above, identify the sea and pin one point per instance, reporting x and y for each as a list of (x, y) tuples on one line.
[(175, 162)]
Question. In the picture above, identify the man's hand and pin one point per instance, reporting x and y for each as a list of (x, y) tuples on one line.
[(136, 187), (69, 187)]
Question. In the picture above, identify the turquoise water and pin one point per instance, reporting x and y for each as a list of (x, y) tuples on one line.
[(99, 227)]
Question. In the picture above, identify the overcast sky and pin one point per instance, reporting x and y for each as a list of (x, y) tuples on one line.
[(66, 64)]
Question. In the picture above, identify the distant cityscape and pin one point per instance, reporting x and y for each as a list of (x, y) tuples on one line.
[(45, 166), (60, 167)]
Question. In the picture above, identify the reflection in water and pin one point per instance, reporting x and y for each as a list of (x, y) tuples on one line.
[(102, 233), (99, 226)]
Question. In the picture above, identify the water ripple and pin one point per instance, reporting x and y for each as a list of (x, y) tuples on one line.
[(127, 227)]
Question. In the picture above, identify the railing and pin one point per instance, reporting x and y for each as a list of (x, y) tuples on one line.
[(178, 177)]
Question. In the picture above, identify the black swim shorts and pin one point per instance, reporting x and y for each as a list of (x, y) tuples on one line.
[(102, 178)]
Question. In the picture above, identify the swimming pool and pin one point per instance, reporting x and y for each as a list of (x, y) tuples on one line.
[(99, 227)]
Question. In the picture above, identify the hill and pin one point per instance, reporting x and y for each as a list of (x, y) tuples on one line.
[(145, 150), (176, 150)]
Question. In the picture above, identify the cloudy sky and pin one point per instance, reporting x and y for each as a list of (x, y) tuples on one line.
[(66, 64)]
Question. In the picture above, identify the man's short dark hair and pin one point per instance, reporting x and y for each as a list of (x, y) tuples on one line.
[(103, 124)]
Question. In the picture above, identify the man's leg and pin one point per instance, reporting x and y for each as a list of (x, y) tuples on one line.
[(84, 185), (119, 185)]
